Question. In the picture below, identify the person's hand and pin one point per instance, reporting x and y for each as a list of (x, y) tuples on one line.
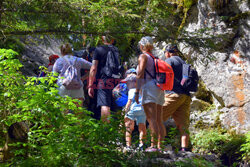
[(91, 92), (137, 98), (125, 110)]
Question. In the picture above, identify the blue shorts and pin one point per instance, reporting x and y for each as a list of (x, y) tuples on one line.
[(139, 117)]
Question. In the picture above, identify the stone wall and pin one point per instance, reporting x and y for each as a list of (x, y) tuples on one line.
[(226, 75), (37, 52)]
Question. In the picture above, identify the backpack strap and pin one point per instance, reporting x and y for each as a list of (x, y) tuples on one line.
[(185, 70), (154, 67), (65, 67), (183, 63)]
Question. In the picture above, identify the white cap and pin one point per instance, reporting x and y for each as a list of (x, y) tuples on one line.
[(146, 40)]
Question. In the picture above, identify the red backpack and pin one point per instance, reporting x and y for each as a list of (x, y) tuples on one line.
[(164, 74)]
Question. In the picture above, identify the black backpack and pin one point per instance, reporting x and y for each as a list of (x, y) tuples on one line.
[(112, 68), (190, 78)]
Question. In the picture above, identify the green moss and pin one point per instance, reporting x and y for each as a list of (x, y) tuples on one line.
[(201, 125), (200, 105), (239, 16), (184, 6), (217, 121), (203, 93), (218, 4)]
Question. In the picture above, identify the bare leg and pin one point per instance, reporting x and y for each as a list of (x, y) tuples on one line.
[(162, 130), (105, 113), (150, 111), (184, 136), (142, 132), (129, 124)]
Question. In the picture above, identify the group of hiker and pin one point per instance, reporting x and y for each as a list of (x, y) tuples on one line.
[(155, 88)]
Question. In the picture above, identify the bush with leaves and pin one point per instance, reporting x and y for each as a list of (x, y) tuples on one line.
[(55, 138), (245, 148), (226, 144)]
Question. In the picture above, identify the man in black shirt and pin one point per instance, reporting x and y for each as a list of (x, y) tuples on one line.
[(177, 101), (104, 84)]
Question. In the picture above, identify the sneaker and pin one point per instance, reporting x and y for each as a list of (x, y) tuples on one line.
[(151, 149), (127, 149), (183, 149)]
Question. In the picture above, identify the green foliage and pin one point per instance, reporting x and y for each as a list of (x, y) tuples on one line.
[(245, 148), (126, 20), (55, 137), (173, 138), (12, 43), (227, 145)]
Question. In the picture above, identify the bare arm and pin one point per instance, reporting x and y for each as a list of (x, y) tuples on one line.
[(92, 73), (128, 105)]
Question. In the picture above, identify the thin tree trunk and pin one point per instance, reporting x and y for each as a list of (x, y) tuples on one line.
[(1, 7)]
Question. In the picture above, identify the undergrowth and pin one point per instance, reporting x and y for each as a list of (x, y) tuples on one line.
[(230, 147)]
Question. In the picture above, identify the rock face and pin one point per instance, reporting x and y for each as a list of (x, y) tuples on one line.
[(226, 71), (37, 52)]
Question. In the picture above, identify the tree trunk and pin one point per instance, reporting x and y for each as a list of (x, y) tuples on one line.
[(1, 11)]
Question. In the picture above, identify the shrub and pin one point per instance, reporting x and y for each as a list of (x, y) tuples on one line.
[(225, 144), (55, 138), (245, 148)]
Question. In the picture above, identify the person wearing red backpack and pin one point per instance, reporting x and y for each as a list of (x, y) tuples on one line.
[(152, 95), (177, 101)]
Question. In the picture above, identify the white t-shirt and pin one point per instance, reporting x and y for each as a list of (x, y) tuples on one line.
[(131, 94)]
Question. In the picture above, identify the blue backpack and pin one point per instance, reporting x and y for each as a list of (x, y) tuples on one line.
[(120, 93)]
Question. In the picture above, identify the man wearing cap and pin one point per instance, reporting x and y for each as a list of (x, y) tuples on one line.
[(104, 94), (177, 101)]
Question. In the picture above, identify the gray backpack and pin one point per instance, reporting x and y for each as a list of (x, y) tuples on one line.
[(71, 80)]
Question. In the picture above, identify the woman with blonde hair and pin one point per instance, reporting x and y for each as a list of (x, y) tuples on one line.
[(152, 95), (61, 65)]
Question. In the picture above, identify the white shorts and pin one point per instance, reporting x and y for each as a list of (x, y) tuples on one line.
[(151, 93), (74, 93)]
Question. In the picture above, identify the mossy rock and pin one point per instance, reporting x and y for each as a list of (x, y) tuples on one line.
[(203, 93), (218, 4), (199, 105), (201, 125)]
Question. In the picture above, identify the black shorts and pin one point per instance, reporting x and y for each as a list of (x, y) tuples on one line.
[(105, 98)]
